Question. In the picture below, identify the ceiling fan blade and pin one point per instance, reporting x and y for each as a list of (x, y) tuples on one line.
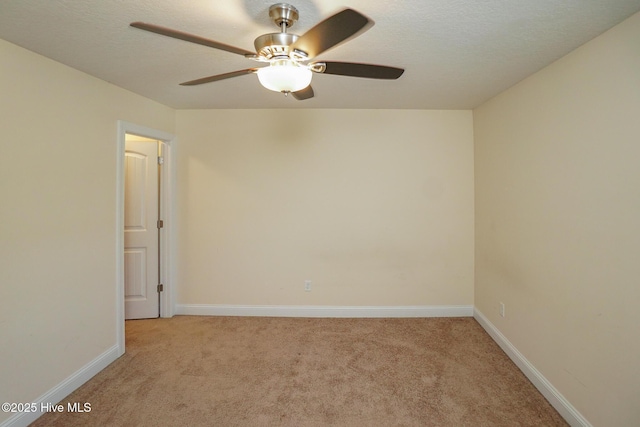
[(219, 77), (332, 31), (190, 38), (352, 69), (303, 94)]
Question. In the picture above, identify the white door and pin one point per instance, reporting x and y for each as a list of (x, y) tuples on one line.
[(141, 272)]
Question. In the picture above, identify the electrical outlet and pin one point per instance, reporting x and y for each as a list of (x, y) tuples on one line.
[(307, 285), (501, 309)]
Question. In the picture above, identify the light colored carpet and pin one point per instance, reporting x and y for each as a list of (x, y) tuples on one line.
[(249, 371)]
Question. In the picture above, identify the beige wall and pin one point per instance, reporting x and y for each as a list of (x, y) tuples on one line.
[(374, 206), (57, 218), (557, 222)]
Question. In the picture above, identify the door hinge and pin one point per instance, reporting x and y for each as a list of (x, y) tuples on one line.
[(160, 287), (160, 223), (160, 160)]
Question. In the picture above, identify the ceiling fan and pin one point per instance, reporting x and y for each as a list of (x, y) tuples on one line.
[(288, 55)]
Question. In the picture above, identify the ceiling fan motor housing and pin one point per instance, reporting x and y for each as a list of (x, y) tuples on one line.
[(274, 45)]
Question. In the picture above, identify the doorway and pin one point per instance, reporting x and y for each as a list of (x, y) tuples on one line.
[(164, 300), (143, 226)]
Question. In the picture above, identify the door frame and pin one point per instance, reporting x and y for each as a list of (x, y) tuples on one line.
[(167, 207)]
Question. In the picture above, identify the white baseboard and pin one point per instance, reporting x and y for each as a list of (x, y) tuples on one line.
[(557, 400), (324, 311), (63, 389)]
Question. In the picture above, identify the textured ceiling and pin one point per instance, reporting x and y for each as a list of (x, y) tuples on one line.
[(457, 53)]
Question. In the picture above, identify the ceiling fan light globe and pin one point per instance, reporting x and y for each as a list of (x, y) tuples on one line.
[(285, 76)]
